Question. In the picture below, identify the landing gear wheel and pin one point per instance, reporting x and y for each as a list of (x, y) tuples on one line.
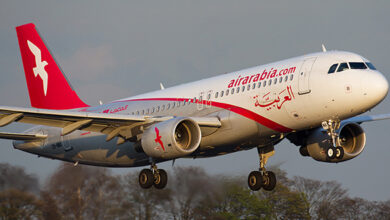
[(269, 181), (146, 178), (255, 180), (339, 153), (160, 179), (331, 153)]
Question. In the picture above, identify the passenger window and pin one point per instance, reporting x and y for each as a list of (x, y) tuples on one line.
[(285, 79), (221, 93), (248, 87), (275, 80), (216, 95), (200, 99), (137, 112), (259, 85), (178, 104), (162, 107), (227, 92), (291, 77), (269, 82), (342, 67), (333, 68), (254, 86), (264, 83), (158, 109), (143, 112), (208, 96), (280, 79), (168, 106), (232, 92), (243, 88), (357, 65), (173, 104), (147, 111), (238, 90), (372, 67), (152, 110)]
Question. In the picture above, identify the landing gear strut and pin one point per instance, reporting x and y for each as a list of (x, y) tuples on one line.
[(335, 151), (263, 178), (153, 176)]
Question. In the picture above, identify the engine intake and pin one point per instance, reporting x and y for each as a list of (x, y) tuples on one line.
[(173, 138), (351, 138)]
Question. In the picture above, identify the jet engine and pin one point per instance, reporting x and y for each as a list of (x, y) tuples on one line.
[(173, 138), (351, 138)]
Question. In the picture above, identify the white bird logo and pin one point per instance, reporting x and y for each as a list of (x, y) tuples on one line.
[(39, 68)]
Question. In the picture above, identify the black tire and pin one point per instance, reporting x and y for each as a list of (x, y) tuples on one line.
[(339, 153), (146, 178), (269, 181), (255, 180), (330, 153), (161, 179)]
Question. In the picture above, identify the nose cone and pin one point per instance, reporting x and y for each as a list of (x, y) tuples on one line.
[(375, 88)]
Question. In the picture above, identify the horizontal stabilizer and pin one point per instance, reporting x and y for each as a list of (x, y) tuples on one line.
[(22, 137)]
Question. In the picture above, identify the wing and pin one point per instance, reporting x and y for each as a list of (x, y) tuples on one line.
[(113, 125), (367, 118)]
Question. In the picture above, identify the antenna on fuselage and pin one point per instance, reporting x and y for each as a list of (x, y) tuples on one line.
[(323, 48), (162, 86)]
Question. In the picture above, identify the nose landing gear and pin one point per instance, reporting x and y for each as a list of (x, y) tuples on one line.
[(153, 176), (334, 151), (263, 178)]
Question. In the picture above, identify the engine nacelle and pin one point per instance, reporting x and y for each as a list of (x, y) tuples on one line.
[(351, 137), (170, 139)]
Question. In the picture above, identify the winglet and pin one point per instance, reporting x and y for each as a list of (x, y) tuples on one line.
[(47, 85)]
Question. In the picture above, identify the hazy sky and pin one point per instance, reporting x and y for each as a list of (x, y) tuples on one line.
[(114, 49)]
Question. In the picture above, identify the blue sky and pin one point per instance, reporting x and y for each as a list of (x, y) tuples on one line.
[(114, 49)]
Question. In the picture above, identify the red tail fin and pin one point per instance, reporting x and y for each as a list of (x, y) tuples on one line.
[(47, 86)]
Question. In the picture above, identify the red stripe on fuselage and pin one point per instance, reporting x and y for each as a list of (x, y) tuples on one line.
[(236, 109)]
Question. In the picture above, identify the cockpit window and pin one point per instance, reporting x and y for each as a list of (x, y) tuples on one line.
[(342, 67), (333, 68), (372, 67), (357, 65)]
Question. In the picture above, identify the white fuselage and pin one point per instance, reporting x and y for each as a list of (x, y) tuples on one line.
[(257, 107)]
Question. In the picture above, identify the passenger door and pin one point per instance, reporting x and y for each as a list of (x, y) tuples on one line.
[(304, 76)]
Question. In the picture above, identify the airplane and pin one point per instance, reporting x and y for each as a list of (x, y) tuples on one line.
[(314, 101)]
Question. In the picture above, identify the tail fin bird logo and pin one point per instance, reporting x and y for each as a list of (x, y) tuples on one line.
[(40, 64), (158, 138)]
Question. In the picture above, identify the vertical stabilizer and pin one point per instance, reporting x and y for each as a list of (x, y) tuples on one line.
[(47, 86)]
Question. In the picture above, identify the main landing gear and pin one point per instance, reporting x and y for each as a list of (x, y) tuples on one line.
[(335, 151), (263, 178), (153, 177)]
